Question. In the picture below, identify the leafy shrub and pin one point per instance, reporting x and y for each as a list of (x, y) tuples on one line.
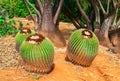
[(7, 27), (15, 8)]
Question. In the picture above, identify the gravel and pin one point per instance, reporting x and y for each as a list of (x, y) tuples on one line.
[(9, 57)]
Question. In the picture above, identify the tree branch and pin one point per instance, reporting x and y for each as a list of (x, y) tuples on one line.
[(118, 5), (58, 11), (108, 6), (97, 13), (114, 4), (33, 8), (103, 10), (55, 7), (89, 23), (105, 27), (118, 22), (25, 2), (82, 12), (77, 23), (115, 19), (39, 5)]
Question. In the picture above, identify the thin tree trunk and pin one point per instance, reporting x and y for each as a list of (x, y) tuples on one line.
[(58, 11), (25, 2), (114, 25), (48, 28), (115, 38), (97, 16), (118, 22), (103, 10), (39, 6), (47, 23), (103, 33), (92, 18), (89, 24), (75, 20)]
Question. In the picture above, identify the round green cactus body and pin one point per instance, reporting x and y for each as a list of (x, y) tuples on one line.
[(82, 47), (37, 53), (21, 36)]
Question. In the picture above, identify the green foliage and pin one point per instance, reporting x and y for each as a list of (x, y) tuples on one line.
[(20, 9), (37, 53), (7, 27), (15, 8), (72, 6), (36, 76), (82, 44), (8, 7), (63, 18)]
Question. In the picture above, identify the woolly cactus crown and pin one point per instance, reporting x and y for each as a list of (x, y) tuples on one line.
[(35, 38), (25, 31), (23, 34)]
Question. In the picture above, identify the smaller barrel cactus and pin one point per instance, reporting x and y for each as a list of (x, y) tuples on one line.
[(82, 47), (37, 53), (21, 36)]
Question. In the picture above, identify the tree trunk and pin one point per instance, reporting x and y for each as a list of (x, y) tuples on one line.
[(48, 28), (115, 39), (47, 23), (103, 32)]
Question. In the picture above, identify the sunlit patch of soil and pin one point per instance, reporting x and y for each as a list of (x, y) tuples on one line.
[(105, 67)]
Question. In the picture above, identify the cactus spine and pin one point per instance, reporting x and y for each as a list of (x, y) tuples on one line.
[(82, 47), (21, 36), (37, 53)]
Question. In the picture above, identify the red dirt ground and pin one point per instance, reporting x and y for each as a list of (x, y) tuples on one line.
[(105, 67)]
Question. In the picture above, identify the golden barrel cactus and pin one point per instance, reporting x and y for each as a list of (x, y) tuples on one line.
[(21, 36), (82, 47), (37, 53)]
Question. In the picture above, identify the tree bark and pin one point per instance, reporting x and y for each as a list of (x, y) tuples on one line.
[(47, 23), (115, 38), (58, 11), (103, 10), (75, 20), (48, 28), (103, 33), (89, 24), (39, 6)]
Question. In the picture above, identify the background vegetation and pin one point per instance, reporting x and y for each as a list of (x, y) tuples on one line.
[(16, 8)]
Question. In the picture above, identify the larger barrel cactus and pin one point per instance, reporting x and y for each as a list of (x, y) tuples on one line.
[(82, 47), (37, 53), (21, 36)]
